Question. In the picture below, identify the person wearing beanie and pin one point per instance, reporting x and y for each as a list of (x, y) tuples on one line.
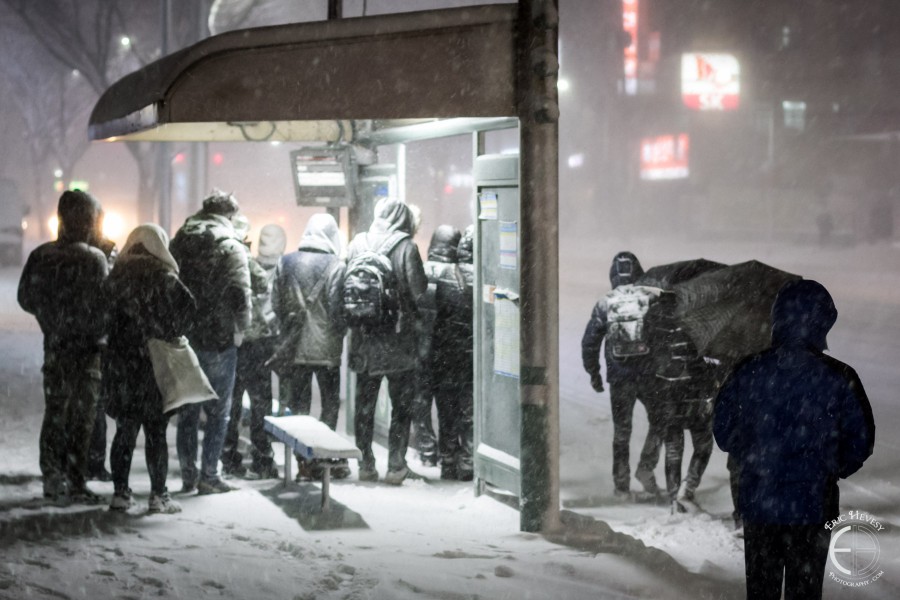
[(252, 375), (214, 265), (61, 285)]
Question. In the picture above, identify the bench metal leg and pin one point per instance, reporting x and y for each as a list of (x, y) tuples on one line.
[(326, 484), (287, 465)]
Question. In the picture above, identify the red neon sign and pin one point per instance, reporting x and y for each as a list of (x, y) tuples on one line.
[(665, 157), (630, 26)]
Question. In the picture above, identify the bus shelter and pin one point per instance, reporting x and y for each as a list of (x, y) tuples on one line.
[(358, 83)]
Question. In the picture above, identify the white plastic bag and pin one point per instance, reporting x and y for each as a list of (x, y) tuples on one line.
[(178, 374)]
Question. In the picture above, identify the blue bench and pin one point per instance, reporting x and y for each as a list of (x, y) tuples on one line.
[(314, 442)]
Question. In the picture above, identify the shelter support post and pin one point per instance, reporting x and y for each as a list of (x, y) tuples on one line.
[(539, 308)]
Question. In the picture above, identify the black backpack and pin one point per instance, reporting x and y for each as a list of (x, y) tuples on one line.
[(371, 298)]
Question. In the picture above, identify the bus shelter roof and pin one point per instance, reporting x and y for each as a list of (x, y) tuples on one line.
[(315, 81)]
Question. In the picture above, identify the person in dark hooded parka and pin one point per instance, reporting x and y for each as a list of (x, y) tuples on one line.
[(624, 376), (388, 352), (795, 420), (148, 300), (61, 286), (306, 298)]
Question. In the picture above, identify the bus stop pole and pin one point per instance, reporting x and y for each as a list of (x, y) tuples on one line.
[(539, 255)]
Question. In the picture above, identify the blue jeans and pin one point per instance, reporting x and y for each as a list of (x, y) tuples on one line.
[(219, 368)]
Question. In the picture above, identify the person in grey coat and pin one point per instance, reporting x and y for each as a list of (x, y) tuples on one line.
[(252, 374), (388, 352), (306, 298)]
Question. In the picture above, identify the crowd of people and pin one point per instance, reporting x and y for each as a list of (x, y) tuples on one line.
[(793, 420), (245, 316)]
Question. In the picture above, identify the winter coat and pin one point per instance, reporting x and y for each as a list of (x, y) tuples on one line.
[(625, 269), (307, 295), (451, 348), (215, 268), (263, 322), (794, 419), (147, 301), (380, 352), (677, 374), (61, 281)]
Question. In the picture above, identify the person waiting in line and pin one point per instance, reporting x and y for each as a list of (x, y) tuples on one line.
[(147, 301), (252, 375), (452, 360), (627, 363), (306, 298), (215, 268), (61, 286), (796, 421), (423, 435), (387, 347), (463, 321), (450, 347)]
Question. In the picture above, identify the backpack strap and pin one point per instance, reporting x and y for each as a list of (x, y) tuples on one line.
[(317, 289), (389, 243)]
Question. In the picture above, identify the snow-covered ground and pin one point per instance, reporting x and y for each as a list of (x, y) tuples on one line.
[(434, 539)]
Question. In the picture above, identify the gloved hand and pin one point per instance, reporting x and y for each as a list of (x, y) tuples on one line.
[(597, 382)]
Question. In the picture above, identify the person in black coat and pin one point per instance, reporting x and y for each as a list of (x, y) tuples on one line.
[(147, 301), (388, 352), (795, 420), (679, 392), (450, 342), (61, 286), (625, 377)]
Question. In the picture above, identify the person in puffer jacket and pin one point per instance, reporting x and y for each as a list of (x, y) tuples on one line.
[(441, 263), (215, 268), (796, 421), (61, 286), (307, 298), (252, 375)]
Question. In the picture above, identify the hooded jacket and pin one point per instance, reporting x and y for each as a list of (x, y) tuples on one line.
[(625, 269), (263, 322), (384, 352), (307, 295), (215, 268), (794, 419), (61, 280), (147, 301)]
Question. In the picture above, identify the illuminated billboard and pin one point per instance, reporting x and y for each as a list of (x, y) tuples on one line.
[(665, 157), (630, 53), (710, 81)]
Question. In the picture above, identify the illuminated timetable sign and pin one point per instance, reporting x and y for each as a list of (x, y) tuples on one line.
[(630, 26), (710, 81), (665, 157)]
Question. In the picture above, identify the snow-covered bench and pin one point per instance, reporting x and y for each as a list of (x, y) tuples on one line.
[(315, 443)]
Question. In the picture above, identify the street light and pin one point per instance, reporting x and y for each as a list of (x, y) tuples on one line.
[(125, 41)]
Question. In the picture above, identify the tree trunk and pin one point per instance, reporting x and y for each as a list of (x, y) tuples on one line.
[(145, 155)]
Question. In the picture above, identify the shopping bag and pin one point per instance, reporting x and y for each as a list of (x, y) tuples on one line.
[(178, 374)]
